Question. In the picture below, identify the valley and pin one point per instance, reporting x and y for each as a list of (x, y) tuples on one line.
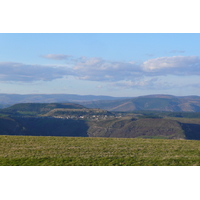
[(74, 120), (83, 135)]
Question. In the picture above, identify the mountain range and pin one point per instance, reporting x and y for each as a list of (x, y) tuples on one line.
[(148, 102), (156, 102), (50, 98)]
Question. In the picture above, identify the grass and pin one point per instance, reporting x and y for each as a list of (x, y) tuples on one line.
[(77, 151)]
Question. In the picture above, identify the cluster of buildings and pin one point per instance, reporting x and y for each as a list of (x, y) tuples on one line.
[(91, 117)]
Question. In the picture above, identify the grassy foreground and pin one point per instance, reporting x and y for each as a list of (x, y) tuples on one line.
[(77, 151)]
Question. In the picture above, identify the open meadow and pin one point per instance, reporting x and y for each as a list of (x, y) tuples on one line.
[(86, 151)]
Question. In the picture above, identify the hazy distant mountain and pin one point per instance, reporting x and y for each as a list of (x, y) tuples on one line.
[(157, 102), (149, 102), (49, 98)]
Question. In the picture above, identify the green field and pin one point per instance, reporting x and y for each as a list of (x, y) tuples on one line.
[(81, 151)]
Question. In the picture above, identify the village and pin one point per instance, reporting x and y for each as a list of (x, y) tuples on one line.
[(87, 117)]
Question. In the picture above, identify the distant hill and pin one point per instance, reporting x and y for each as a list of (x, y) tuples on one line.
[(157, 102), (149, 102), (38, 108), (5, 106), (50, 98)]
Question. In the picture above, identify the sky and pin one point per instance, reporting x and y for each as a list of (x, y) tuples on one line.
[(113, 64), (106, 48)]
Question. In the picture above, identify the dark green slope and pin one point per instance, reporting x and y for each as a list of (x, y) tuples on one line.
[(144, 128), (116, 127), (42, 127), (9, 126)]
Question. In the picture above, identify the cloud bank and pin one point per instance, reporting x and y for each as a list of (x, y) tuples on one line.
[(116, 73), (97, 69), (176, 65), (11, 71)]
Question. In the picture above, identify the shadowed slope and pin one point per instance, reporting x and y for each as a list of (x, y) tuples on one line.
[(43, 127)]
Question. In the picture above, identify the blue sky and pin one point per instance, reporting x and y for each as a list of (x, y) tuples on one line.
[(114, 64)]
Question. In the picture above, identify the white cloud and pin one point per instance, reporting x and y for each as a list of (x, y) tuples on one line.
[(10, 71), (178, 65), (151, 74), (56, 56), (97, 69), (138, 83)]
